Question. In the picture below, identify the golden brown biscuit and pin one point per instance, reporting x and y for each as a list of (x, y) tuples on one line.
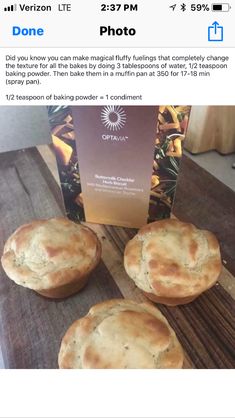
[(173, 262), (53, 257), (121, 334)]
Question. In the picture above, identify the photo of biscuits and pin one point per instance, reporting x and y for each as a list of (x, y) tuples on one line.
[(173, 265), (121, 334), (173, 262), (54, 257)]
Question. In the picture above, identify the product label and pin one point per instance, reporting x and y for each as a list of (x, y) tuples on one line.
[(115, 153)]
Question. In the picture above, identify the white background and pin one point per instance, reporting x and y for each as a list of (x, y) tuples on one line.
[(217, 89), (109, 393), (155, 23)]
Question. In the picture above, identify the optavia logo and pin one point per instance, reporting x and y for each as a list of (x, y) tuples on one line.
[(114, 138), (113, 117)]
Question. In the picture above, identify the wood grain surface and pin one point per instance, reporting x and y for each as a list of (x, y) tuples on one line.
[(31, 327)]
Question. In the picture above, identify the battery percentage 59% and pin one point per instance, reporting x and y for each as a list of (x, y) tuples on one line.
[(200, 7)]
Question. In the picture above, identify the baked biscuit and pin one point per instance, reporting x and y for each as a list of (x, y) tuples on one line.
[(121, 334), (53, 257), (173, 262)]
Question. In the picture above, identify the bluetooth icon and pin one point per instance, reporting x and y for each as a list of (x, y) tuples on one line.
[(183, 7)]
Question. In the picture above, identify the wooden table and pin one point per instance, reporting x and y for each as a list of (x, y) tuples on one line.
[(31, 327)]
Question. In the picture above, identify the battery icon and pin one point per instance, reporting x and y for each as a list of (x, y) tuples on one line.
[(220, 7)]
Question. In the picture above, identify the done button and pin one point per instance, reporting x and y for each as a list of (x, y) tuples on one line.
[(17, 30)]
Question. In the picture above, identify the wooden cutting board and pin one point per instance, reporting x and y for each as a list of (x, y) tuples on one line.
[(31, 327)]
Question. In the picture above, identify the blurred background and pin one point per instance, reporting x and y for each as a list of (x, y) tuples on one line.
[(23, 127)]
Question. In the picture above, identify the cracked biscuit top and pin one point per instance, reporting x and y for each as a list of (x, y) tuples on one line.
[(171, 259), (121, 334), (45, 254)]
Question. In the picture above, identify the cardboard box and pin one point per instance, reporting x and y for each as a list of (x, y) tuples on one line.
[(118, 165)]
